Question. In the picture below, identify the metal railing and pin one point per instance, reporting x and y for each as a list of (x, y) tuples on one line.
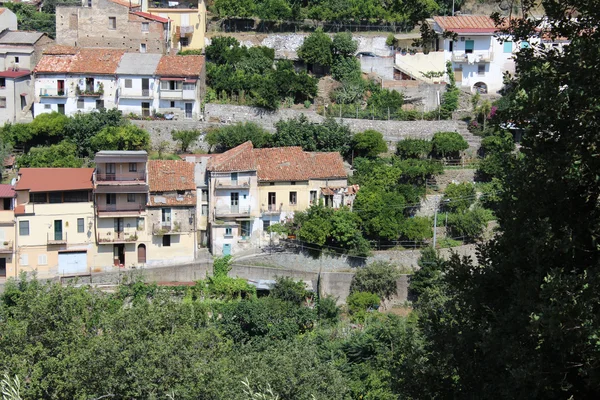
[(6, 246), (227, 183), (117, 237), (121, 176), (480, 56), (56, 238), (232, 210), (121, 206)]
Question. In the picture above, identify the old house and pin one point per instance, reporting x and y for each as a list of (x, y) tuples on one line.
[(171, 212), (116, 24), (7, 232), (251, 189), (137, 86), (55, 221), (187, 21), (182, 85)]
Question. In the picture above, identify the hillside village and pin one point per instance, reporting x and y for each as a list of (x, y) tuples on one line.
[(281, 199)]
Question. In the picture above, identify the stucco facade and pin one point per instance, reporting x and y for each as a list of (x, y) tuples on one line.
[(187, 22)]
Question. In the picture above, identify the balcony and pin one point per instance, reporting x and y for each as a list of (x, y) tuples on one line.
[(112, 237), (144, 94), (166, 228), (56, 238), (7, 217), (53, 94), (189, 95), (232, 211), (6, 247), (272, 209), (171, 94), (182, 4), (229, 184), (120, 177), (472, 58), (121, 209)]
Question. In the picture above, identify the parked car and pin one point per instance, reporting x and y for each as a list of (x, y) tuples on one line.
[(366, 54)]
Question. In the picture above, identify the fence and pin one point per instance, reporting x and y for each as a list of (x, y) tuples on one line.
[(263, 26), (355, 111)]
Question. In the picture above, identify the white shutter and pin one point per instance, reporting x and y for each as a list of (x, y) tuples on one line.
[(24, 260), (42, 259)]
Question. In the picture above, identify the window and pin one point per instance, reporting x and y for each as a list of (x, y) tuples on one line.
[(39, 198), (145, 26), (79, 196), (293, 198), (508, 47), (24, 260), (145, 109), (166, 215), (142, 47), (313, 197), (55, 197), (480, 69), (204, 195), (184, 42), (99, 104), (80, 103), (245, 229), (166, 239), (293, 183), (189, 86), (451, 46), (140, 224), (172, 104), (469, 46), (47, 106), (128, 83), (204, 211), (111, 198), (89, 2), (61, 109), (2, 82), (112, 22), (170, 85), (17, 60), (131, 197), (132, 167), (266, 224), (234, 178), (42, 259), (80, 225), (3, 102), (23, 228), (228, 232)]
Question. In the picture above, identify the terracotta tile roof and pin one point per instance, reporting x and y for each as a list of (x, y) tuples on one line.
[(52, 63), (59, 49), (7, 191), (2, 10), (280, 163), (180, 66), (151, 17), (467, 24), (186, 200), (54, 179), (20, 209), (15, 74), (170, 175), (96, 61), (126, 3)]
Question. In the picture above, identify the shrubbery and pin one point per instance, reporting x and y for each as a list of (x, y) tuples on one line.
[(448, 144), (414, 148)]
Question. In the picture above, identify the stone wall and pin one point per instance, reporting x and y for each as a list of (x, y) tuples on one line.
[(392, 130)]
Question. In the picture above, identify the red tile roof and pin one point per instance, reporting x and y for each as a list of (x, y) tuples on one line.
[(86, 61), (125, 3), (7, 191), (467, 24), (54, 179), (15, 74), (280, 163), (151, 16), (60, 49), (186, 200), (170, 175), (54, 63), (180, 66)]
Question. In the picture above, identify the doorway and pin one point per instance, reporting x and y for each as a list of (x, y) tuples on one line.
[(58, 233), (119, 254), (3, 267), (235, 202), (145, 87), (458, 73), (61, 109), (227, 249), (141, 254), (188, 110), (272, 201), (119, 229)]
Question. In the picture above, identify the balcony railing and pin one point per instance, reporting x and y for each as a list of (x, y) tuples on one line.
[(57, 238), (232, 211), (120, 176), (171, 94), (477, 57), (6, 247), (117, 237), (121, 206), (165, 228), (272, 209), (129, 94), (53, 93), (229, 184)]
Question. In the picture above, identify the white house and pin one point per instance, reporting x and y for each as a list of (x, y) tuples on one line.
[(479, 59), (137, 86), (68, 80), (8, 19)]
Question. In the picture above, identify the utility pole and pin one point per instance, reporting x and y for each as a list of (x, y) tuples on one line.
[(435, 221)]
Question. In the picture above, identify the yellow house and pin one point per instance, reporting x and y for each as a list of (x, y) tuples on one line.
[(171, 212), (121, 191), (7, 232), (251, 189), (55, 221), (187, 19)]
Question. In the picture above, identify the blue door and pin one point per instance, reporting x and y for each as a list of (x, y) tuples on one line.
[(226, 249)]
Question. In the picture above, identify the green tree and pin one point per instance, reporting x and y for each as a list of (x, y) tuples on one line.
[(81, 128), (379, 278), (414, 148), (316, 49), (228, 137), (128, 137), (429, 274), (458, 197), (469, 224), (346, 70), (185, 138), (417, 228), (61, 155), (369, 143), (448, 144), (342, 45), (287, 289), (30, 19), (360, 303)]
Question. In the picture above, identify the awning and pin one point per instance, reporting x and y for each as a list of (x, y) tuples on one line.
[(24, 94), (172, 79), (189, 80)]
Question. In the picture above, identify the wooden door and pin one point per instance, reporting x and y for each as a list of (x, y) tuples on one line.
[(141, 254)]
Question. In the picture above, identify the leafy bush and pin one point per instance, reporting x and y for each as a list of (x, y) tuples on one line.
[(185, 137), (62, 155), (378, 277), (360, 303), (458, 197), (448, 144), (369, 143), (287, 289), (328, 136), (128, 137), (316, 49), (228, 137), (414, 148), (429, 273), (327, 310), (346, 69), (469, 224), (417, 228)]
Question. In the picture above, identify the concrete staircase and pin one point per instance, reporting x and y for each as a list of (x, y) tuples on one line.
[(474, 141)]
